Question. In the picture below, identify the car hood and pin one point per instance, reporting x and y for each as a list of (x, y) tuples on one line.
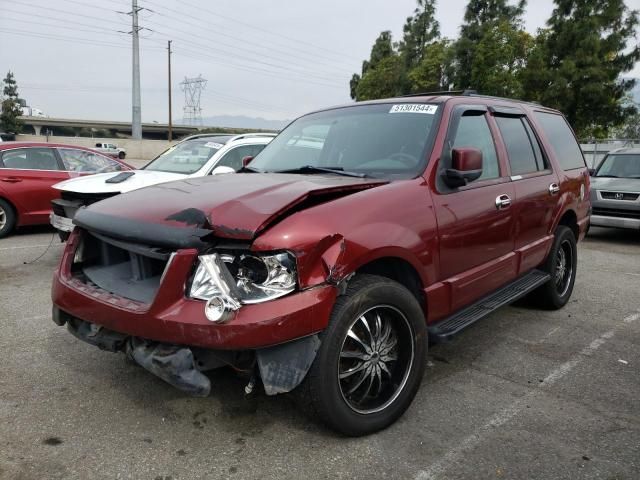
[(616, 184), (239, 206), (98, 183)]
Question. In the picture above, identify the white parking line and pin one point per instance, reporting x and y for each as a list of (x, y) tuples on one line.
[(31, 246), (438, 468)]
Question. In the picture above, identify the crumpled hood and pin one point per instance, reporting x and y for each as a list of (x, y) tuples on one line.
[(97, 183), (615, 184), (237, 206)]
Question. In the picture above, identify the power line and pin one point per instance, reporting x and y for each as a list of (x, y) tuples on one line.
[(62, 38)]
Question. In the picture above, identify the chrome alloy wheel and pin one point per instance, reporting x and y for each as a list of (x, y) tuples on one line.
[(564, 267), (375, 359), (3, 218)]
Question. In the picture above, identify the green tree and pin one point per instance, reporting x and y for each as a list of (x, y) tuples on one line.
[(480, 17), (419, 30), (11, 110), (500, 59), (381, 74), (580, 62), (434, 72)]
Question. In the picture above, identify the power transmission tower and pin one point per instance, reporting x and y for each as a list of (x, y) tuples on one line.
[(193, 88)]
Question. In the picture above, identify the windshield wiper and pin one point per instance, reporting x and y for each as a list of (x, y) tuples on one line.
[(312, 169), (249, 169), (607, 176)]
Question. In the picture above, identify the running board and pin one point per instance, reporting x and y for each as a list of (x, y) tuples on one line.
[(444, 329)]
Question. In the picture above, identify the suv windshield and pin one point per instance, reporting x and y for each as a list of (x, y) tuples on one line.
[(623, 166), (386, 140), (187, 157)]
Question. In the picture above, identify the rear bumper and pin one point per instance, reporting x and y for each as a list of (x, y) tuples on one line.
[(615, 222), (173, 318)]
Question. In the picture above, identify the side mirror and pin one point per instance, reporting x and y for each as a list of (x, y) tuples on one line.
[(222, 170), (466, 166), (247, 160)]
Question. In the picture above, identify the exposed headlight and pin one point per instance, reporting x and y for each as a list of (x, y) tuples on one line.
[(227, 281)]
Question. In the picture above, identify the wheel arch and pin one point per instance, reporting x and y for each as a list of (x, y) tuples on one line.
[(400, 270), (570, 219), (13, 207)]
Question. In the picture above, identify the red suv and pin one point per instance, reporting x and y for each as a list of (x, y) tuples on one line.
[(324, 266)]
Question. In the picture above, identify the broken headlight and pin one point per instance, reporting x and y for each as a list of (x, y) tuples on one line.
[(226, 281)]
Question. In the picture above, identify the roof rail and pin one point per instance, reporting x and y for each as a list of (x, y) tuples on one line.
[(252, 135), (466, 92), (201, 135)]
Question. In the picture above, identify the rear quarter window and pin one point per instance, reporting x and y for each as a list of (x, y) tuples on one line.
[(562, 141)]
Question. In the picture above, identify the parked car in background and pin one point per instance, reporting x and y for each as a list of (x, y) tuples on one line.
[(111, 149), (195, 156), (323, 266), (615, 190), (28, 171)]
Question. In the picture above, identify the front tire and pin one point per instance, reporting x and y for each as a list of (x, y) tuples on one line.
[(371, 360), (561, 265), (121, 155), (7, 218)]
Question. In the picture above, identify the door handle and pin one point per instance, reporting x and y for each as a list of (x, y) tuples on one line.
[(502, 202), (10, 179), (554, 189)]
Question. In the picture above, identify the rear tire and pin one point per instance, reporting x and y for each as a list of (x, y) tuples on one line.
[(371, 360), (7, 218), (561, 264), (121, 155)]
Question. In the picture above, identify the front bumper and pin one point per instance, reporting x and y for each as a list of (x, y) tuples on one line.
[(173, 318), (615, 222)]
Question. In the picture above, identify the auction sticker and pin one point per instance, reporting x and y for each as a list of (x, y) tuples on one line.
[(414, 108), (215, 145)]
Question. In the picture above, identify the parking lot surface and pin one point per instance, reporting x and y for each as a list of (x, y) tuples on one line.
[(523, 394)]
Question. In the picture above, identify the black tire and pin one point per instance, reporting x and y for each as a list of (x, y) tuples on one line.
[(401, 324), (121, 155), (555, 294), (7, 218)]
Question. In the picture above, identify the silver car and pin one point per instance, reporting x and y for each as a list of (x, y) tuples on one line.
[(615, 190)]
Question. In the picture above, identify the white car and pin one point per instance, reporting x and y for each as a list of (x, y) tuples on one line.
[(195, 156), (111, 149)]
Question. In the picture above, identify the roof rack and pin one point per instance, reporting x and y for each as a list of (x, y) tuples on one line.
[(252, 135), (466, 92)]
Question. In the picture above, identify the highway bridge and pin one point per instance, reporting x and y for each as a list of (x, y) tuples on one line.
[(150, 130)]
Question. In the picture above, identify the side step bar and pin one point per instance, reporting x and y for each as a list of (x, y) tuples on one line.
[(447, 327)]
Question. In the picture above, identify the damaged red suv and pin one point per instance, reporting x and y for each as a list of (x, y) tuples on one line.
[(326, 264)]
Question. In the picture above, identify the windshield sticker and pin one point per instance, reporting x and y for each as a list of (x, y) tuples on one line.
[(215, 145), (414, 108)]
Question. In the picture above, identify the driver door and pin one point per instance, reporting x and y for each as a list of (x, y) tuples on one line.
[(475, 221)]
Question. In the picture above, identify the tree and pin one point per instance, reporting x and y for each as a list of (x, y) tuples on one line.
[(480, 17), (11, 109), (499, 61), (435, 70), (581, 60), (419, 30), (381, 74)]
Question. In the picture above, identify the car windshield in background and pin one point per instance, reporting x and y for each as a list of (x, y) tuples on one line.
[(385, 141), (187, 157), (622, 166)]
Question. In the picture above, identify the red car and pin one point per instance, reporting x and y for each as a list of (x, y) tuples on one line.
[(326, 263), (27, 172)]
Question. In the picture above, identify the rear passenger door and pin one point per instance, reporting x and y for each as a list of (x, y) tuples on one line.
[(26, 175), (535, 185)]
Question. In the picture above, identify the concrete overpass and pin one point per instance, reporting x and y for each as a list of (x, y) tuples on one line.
[(155, 129)]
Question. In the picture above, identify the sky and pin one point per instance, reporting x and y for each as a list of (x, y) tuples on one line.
[(274, 60)]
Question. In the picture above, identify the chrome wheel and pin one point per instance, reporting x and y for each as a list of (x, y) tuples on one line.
[(375, 359), (564, 267), (3, 218)]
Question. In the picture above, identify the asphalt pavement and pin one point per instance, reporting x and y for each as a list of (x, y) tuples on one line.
[(523, 394)]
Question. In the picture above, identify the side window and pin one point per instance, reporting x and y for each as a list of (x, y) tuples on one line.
[(473, 131), (520, 145), (562, 140), (30, 159), (83, 161), (233, 158)]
